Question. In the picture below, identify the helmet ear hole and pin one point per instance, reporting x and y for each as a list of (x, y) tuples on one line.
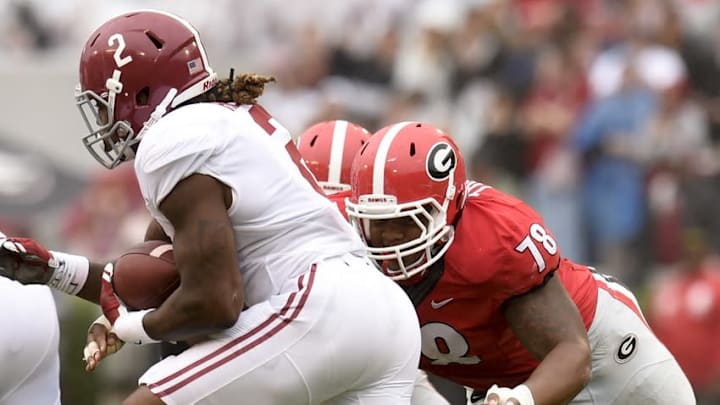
[(143, 96), (312, 141)]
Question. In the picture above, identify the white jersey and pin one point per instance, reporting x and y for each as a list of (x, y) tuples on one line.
[(345, 335), (277, 239), (308, 286), (29, 339)]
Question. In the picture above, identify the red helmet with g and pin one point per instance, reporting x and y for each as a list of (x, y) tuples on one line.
[(410, 173), (328, 149), (134, 69)]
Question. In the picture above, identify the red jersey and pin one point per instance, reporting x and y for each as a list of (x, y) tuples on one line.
[(501, 250)]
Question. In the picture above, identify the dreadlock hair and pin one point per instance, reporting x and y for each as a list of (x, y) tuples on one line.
[(243, 89)]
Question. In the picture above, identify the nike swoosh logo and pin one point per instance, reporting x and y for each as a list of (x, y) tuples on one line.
[(440, 304)]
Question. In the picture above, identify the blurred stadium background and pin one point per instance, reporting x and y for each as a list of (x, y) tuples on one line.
[(603, 114)]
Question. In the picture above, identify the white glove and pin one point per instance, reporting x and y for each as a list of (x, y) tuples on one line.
[(520, 394)]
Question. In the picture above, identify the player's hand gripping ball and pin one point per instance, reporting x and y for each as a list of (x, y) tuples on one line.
[(145, 275)]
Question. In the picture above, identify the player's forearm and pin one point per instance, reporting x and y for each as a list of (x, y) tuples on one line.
[(91, 290), (75, 275), (571, 360), (186, 316)]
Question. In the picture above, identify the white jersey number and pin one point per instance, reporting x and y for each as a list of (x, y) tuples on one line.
[(263, 118), (444, 345), (120, 61), (538, 235)]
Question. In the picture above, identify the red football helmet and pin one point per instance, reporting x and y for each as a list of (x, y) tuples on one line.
[(328, 149), (413, 171), (134, 69)]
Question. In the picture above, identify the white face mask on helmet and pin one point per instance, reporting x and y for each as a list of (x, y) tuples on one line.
[(403, 260)]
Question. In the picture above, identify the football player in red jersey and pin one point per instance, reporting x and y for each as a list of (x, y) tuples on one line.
[(328, 149), (501, 311), (289, 308)]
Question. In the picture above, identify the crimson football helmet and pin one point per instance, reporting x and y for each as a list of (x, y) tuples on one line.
[(134, 69), (413, 171), (328, 149)]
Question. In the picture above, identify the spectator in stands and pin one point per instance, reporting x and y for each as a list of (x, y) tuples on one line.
[(685, 314)]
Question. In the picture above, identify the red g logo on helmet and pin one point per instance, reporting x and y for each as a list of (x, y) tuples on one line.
[(440, 161)]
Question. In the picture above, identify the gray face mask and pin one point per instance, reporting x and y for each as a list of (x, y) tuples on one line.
[(109, 142)]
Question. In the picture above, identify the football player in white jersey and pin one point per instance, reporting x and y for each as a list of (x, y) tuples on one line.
[(29, 339), (217, 172), (328, 149)]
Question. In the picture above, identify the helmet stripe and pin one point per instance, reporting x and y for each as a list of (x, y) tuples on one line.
[(381, 157), (336, 151)]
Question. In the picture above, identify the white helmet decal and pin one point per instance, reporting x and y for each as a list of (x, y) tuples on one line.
[(441, 161)]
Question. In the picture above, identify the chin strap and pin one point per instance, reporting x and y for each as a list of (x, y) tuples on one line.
[(158, 112)]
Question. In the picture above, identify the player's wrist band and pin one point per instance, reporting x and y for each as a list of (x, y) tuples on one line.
[(130, 329), (523, 394), (70, 274)]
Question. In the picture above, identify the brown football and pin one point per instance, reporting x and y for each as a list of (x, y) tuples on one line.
[(145, 275)]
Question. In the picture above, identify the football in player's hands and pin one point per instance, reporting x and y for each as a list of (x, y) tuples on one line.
[(145, 275)]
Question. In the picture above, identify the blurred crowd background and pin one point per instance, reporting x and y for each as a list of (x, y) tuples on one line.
[(603, 114)]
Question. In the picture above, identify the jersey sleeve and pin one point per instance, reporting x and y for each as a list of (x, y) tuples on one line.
[(518, 252), (166, 158), (339, 200)]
